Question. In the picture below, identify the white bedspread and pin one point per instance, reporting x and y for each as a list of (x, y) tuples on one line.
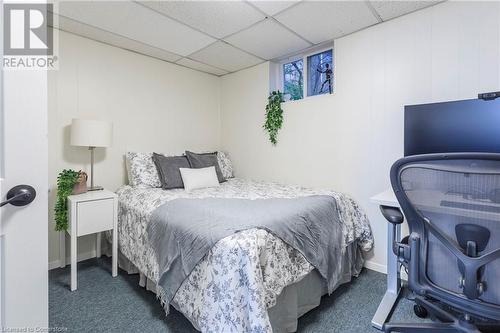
[(231, 289)]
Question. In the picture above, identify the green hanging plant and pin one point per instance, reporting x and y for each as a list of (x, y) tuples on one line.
[(274, 115), (65, 183)]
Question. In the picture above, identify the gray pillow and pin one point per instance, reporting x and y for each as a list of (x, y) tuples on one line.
[(205, 160), (168, 170)]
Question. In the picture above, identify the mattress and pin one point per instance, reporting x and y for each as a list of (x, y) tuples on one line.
[(263, 266)]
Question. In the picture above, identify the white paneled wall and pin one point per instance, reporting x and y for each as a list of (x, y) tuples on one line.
[(349, 140), (346, 141), (154, 106)]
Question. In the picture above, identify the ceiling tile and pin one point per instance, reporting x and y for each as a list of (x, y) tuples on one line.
[(84, 30), (225, 56), (137, 22), (391, 9), (216, 18), (319, 21), (268, 40), (272, 7), (201, 67)]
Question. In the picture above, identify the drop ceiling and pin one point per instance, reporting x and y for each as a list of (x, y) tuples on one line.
[(221, 37)]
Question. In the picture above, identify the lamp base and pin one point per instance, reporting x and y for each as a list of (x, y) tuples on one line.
[(95, 188)]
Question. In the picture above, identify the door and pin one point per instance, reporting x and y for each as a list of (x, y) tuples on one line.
[(23, 229)]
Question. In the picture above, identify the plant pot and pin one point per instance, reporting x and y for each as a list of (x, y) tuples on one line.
[(81, 186)]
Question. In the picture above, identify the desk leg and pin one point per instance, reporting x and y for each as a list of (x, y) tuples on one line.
[(393, 281)]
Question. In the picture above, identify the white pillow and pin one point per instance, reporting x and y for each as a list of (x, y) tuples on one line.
[(199, 178)]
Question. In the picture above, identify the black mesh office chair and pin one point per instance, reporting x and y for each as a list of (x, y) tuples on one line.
[(452, 205)]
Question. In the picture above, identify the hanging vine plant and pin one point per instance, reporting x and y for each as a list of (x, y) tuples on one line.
[(274, 115), (65, 184)]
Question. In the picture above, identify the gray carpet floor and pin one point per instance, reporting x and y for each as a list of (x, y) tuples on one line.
[(106, 304)]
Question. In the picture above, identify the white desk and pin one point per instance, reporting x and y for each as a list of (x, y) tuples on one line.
[(387, 198)]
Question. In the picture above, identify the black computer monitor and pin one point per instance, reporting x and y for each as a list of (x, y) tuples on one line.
[(459, 126)]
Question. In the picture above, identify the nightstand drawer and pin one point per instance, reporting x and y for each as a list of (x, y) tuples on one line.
[(94, 216)]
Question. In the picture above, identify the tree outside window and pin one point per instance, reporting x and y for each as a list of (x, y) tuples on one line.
[(293, 79)]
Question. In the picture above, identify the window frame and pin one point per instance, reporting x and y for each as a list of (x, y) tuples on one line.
[(280, 74), (307, 58)]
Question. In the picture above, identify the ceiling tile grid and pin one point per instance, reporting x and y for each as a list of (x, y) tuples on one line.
[(220, 37), (225, 56), (268, 40), (201, 67), (215, 18), (136, 22), (322, 21), (91, 32), (392, 9), (273, 7)]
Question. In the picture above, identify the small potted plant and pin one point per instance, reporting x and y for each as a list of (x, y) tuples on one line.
[(68, 182)]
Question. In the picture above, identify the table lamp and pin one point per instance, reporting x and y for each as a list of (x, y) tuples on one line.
[(92, 134)]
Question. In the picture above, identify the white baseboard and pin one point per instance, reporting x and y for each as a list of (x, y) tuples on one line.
[(376, 266), (383, 269), (81, 257)]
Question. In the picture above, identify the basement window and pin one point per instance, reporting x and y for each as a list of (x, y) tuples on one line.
[(293, 79), (304, 75), (320, 73)]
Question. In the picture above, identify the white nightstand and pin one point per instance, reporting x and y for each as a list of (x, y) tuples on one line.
[(90, 213)]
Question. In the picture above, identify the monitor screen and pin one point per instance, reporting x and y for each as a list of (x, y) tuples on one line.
[(459, 126)]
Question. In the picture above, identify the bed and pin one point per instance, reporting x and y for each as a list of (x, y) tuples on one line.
[(250, 281)]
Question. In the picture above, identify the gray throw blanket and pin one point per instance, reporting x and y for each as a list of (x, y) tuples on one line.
[(183, 231)]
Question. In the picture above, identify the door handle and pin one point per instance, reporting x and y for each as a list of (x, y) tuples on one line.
[(20, 195)]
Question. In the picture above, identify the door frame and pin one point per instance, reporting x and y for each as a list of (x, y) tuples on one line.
[(23, 230)]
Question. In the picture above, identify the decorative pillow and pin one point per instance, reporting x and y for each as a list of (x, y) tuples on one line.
[(168, 170), (226, 167), (205, 160), (142, 170), (199, 178)]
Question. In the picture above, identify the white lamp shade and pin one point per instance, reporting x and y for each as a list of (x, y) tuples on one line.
[(91, 133)]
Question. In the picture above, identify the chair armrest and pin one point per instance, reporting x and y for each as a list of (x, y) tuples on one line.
[(392, 214)]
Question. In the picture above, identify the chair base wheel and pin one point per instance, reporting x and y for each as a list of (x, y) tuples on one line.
[(420, 311)]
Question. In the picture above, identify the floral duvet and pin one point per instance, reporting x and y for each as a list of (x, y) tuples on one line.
[(241, 277)]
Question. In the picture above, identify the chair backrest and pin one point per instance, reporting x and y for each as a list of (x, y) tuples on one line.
[(452, 203)]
